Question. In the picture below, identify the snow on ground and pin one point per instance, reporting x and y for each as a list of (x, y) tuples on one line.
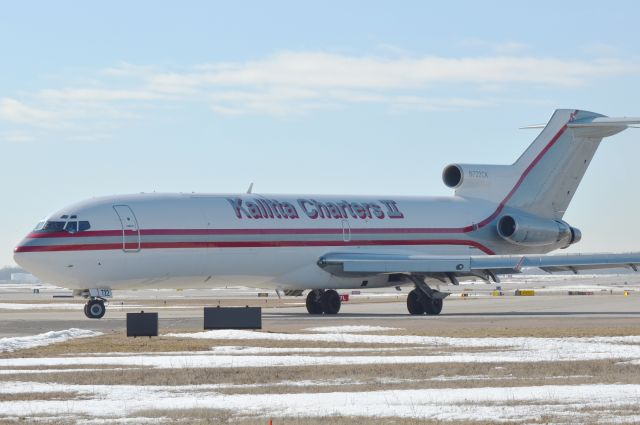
[(350, 329), (488, 404), (245, 349), (52, 337), (515, 349), (448, 350), (39, 371), (432, 341), (498, 350), (241, 349)]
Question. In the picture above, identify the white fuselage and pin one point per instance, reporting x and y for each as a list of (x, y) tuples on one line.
[(268, 241)]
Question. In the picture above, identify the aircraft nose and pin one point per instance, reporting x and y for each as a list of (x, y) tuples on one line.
[(25, 257), (18, 254)]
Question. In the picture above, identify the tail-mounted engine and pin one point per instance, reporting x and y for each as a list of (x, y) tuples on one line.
[(535, 231), (490, 182)]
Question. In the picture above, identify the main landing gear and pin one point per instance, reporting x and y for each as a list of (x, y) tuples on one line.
[(423, 299), (323, 301), (94, 308)]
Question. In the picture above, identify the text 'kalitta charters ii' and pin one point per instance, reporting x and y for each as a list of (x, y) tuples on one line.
[(262, 208)]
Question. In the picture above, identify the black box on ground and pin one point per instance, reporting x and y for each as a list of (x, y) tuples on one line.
[(142, 324), (233, 318)]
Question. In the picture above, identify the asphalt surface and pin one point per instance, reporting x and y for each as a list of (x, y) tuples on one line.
[(458, 313)]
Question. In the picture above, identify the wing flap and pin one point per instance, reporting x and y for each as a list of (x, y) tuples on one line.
[(372, 263)]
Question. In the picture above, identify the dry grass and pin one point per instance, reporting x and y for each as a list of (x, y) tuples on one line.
[(118, 342), (513, 327), (357, 378), (211, 416), (57, 395), (509, 374)]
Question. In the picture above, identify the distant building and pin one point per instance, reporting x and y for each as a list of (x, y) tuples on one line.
[(24, 277)]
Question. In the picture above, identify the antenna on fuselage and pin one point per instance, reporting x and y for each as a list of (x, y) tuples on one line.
[(250, 189)]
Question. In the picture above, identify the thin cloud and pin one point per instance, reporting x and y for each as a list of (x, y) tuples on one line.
[(16, 137), (14, 111), (500, 48), (295, 82), (97, 95), (324, 70)]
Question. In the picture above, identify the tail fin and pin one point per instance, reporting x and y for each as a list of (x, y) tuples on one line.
[(550, 170)]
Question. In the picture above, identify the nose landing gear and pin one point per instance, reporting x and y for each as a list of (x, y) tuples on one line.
[(95, 308), (323, 301)]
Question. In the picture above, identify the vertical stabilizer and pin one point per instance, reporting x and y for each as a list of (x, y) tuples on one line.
[(544, 179), (551, 169)]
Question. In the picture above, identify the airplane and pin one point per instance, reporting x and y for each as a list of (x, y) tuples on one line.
[(501, 220)]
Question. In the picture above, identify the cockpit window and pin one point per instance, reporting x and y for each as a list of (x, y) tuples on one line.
[(53, 226), (70, 226)]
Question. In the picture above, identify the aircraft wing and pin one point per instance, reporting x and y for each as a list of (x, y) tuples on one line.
[(460, 267)]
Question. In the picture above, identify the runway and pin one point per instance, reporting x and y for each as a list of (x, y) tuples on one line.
[(458, 314)]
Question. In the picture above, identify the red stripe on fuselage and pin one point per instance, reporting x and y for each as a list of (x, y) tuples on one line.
[(277, 231), (254, 244)]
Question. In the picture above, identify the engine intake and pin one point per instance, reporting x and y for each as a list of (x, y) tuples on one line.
[(535, 231), (452, 176)]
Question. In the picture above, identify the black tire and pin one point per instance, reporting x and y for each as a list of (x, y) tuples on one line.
[(414, 303), (95, 309), (86, 309), (330, 301), (433, 306), (313, 303)]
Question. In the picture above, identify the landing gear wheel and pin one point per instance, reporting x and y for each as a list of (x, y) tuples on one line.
[(94, 309), (433, 306), (313, 302), (414, 303), (330, 302)]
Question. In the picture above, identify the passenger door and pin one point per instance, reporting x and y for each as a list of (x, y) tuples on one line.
[(130, 228)]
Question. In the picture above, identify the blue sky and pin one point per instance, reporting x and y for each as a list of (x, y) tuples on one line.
[(353, 98)]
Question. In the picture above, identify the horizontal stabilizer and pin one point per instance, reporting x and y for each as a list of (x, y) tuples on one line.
[(604, 122), (596, 127)]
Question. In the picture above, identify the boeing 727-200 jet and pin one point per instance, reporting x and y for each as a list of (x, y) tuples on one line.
[(501, 220)]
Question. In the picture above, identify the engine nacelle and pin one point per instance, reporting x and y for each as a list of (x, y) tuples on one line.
[(535, 231), (491, 182)]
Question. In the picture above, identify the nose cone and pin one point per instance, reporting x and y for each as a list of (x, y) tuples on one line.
[(29, 259), (18, 254)]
